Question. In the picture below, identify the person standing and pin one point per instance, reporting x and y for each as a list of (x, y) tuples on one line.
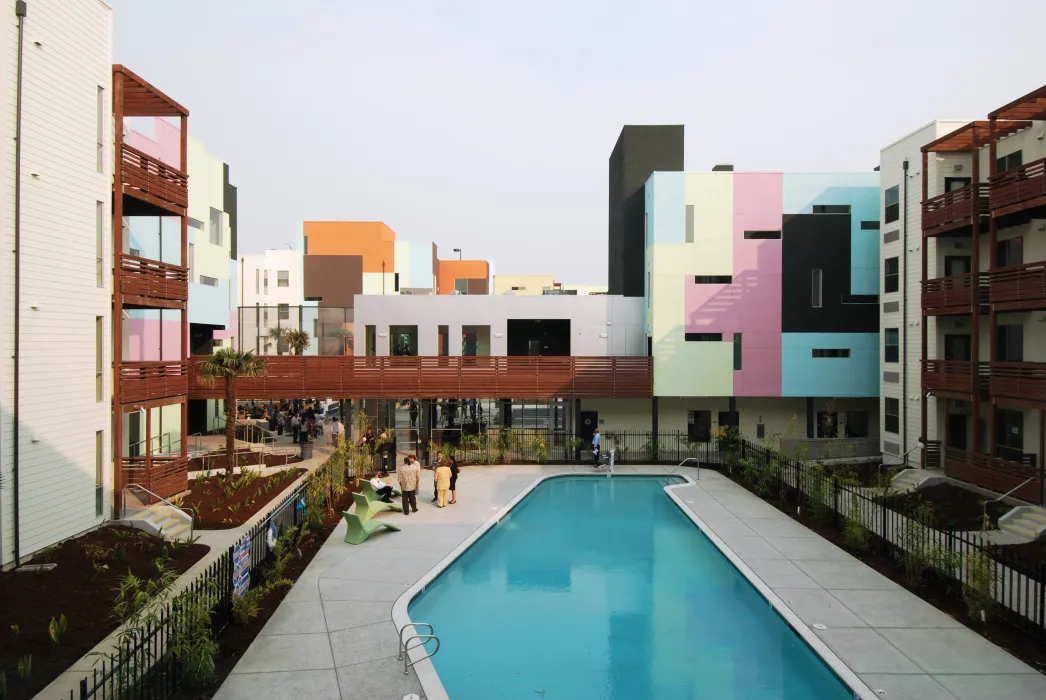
[(595, 447), (435, 465), (442, 484), (335, 432), (454, 480), (408, 477), (413, 413), (295, 427)]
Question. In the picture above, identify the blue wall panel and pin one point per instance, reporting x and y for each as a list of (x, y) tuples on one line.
[(804, 375), (666, 208)]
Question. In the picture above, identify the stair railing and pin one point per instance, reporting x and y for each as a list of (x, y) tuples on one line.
[(127, 490)]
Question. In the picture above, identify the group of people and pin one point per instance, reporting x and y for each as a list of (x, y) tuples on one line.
[(284, 417), (444, 481)]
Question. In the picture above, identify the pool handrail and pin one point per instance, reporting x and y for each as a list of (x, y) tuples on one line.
[(697, 465), (423, 639), (404, 627)]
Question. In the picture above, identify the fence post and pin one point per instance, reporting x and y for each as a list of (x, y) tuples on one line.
[(835, 501), (1040, 633), (883, 509)]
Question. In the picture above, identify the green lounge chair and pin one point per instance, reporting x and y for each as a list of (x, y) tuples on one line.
[(359, 530), (367, 489), (368, 509)]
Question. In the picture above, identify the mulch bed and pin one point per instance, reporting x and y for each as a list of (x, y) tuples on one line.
[(1032, 553), (74, 589), (864, 473), (937, 592), (216, 461), (235, 640), (221, 502), (953, 506)]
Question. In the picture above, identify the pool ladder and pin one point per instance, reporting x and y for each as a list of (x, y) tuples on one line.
[(688, 459), (422, 639)]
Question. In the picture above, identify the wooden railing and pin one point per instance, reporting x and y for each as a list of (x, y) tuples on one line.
[(146, 278), (954, 376), (1019, 286), (954, 294), (993, 473), (153, 181), (953, 210), (1019, 380), (145, 381), (1019, 189), (441, 377), (164, 475)]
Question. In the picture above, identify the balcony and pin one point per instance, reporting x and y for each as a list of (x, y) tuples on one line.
[(954, 294), (441, 377), (952, 211), (1019, 189), (1025, 381), (994, 473), (153, 181), (149, 381), (1019, 287), (150, 283), (164, 475), (954, 376)]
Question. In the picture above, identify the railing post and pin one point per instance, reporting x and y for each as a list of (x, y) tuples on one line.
[(835, 501), (1040, 632)]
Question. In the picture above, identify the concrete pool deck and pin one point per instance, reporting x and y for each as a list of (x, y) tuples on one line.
[(333, 636)]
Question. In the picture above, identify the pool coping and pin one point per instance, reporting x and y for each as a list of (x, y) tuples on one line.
[(430, 681)]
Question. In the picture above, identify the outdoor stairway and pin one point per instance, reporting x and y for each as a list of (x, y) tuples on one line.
[(163, 520), (911, 479), (1027, 522)]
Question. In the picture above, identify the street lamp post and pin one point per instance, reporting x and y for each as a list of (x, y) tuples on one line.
[(458, 251)]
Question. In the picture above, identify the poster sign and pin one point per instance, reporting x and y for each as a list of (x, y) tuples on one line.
[(241, 566)]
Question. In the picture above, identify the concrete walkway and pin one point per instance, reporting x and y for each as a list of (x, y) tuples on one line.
[(333, 638)]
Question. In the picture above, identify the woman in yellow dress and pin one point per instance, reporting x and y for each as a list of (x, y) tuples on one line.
[(442, 484)]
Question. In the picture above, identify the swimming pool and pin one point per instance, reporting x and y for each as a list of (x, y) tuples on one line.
[(603, 588)]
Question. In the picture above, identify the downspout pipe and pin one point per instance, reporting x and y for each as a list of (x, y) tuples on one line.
[(20, 13), (904, 321)]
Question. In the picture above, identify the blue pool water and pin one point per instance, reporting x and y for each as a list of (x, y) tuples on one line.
[(596, 588)]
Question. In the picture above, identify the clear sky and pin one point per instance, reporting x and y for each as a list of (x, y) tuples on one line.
[(487, 125)]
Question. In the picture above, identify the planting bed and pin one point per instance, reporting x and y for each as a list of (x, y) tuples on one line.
[(864, 474), (80, 592), (221, 502), (235, 640), (953, 506), (940, 593)]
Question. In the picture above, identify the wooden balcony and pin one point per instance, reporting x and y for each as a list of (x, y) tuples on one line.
[(1019, 287), (1019, 189), (1025, 381), (151, 180), (955, 377), (150, 283), (994, 473), (953, 210), (149, 381), (954, 295), (164, 475), (441, 377)]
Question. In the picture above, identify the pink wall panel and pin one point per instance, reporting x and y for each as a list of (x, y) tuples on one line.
[(165, 143), (142, 343), (752, 304)]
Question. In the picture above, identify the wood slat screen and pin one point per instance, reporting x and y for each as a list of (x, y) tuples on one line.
[(163, 475), (153, 180), (147, 381), (953, 209), (1019, 189), (992, 473), (151, 278)]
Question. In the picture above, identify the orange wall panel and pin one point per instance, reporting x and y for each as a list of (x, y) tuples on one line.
[(372, 240), (450, 270)]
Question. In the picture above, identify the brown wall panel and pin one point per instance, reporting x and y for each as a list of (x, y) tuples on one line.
[(333, 278)]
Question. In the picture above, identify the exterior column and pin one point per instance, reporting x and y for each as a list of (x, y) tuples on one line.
[(1042, 455), (653, 416), (975, 341), (117, 318), (184, 219), (924, 401), (993, 320), (810, 417)]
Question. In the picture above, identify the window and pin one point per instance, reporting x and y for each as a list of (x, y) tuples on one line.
[(831, 209), (689, 223), (856, 424), (99, 359), (955, 183), (760, 431), (217, 342), (192, 260), (714, 279), (1009, 161), (737, 352), (461, 286), (1010, 252), (1010, 343), (892, 345), (815, 289), (892, 201), (762, 235), (100, 129), (265, 282), (283, 278), (99, 459), (891, 275), (831, 352), (827, 424), (305, 244), (284, 312), (257, 281), (396, 281), (869, 225), (99, 243), (892, 415), (195, 223), (216, 226), (704, 337), (209, 281)]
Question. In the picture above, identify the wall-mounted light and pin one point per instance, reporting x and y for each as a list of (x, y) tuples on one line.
[(602, 335)]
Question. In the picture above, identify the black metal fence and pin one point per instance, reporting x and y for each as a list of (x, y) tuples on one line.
[(965, 566), (143, 665)]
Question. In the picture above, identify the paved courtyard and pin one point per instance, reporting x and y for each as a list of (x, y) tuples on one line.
[(333, 635)]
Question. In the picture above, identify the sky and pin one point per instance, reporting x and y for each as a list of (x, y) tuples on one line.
[(487, 125)]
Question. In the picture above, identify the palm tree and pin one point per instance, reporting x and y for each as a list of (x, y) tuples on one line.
[(228, 364), (279, 336), (297, 340)]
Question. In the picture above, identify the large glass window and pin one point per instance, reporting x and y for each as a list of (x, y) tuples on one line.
[(892, 203), (815, 288), (99, 243), (892, 416), (99, 358), (100, 130), (99, 446), (891, 345), (891, 275), (283, 278), (216, 226)]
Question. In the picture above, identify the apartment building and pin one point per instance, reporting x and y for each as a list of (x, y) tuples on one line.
[(55, 274), (532, 284), (982, 397), (761, 303)]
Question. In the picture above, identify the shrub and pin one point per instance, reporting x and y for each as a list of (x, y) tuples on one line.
[(982, 580)]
